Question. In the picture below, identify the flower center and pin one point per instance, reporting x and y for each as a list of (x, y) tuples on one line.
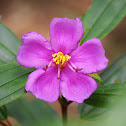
[(60, 58)]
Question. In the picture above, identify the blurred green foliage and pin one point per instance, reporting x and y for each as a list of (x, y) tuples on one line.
[(33, 113)]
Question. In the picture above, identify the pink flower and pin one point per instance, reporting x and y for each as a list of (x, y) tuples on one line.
[(61, 63)]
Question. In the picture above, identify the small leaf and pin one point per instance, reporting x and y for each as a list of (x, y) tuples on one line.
[(33, 113), (84, 34), (88, 29), (3, 113), (96, 77)]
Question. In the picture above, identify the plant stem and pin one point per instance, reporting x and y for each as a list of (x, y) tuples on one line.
[(64, 105), (64, 115)]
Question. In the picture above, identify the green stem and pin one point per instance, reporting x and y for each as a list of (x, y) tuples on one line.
[(64, 105), (64, 115)]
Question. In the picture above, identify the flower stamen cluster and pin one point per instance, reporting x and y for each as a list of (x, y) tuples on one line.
[(60, 58)]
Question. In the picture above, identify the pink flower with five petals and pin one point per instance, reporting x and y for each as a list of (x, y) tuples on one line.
[(61, 63)]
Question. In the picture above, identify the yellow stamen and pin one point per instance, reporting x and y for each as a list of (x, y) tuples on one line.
[(59, 58)]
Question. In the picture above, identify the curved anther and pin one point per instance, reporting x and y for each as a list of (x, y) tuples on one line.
[(71, 67), (50, 64)]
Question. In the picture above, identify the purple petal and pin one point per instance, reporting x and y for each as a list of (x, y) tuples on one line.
[(65, 34), (35, 51), (44, 85), (76, 86), (90, 57)]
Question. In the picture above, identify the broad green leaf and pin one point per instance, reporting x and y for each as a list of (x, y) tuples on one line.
[(12, 80), (106, 96), (9, 45), (114, 117), (12, 75), (90, 112), (101, 100), (96, 77), (33, 113), (103, 16), (114, 74), (3, 113)]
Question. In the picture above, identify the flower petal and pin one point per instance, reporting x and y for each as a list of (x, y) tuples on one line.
[(65, 34), (44, 84), (90, 57), (76, 86), (35, 51)]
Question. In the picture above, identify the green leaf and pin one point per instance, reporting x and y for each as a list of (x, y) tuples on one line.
[(3, 113), (12, 75), (101, 100), (12, 80), (103, 16), (85, 31), (33, 113), (106, 96), (116, 72), (96, 77), (114, 117), (90, 112), (112, 80), (9, 45)]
